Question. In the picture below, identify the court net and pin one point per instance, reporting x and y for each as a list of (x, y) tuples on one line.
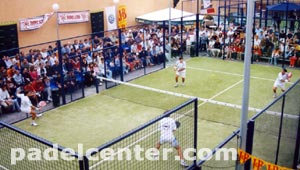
[(144, 95), (123, 149)]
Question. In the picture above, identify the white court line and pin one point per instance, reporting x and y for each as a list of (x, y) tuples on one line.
[(2, 167), (228, 88), (233, 74), (218, 94)]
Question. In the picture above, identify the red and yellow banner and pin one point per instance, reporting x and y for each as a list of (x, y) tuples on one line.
[(257, 163), (122, 16)]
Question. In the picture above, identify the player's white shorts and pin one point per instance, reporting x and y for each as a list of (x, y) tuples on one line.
[(180, 73), (279, 84), (26, 110), (173, 142)]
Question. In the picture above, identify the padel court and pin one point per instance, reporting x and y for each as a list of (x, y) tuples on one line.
[(217, 84)]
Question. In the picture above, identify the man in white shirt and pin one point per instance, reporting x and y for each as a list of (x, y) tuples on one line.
[(27, 107), (180, 69), (167, 126), (280, 81)]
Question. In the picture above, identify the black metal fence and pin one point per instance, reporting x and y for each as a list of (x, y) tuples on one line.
[(273, 135), (276, 130), (21, 150), (146, 137)]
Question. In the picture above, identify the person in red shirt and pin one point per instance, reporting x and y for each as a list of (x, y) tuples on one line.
[(240, 51), (293, 60), (34, 90), (256, 53), (33, 73)]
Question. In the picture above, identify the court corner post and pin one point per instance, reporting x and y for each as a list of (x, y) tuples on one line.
[(249, 143), (246, 84)]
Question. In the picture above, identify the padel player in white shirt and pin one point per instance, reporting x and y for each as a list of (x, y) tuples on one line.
[(167, 126), (27, 107), (180, 68), (280, 81)]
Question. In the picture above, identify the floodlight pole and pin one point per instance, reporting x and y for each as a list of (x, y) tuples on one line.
[(55, 7), (247, 63)]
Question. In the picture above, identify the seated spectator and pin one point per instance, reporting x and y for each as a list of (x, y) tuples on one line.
[(240, 52), (105, 72), (90, 75), (154, 53), (216, 49), (256, 53), (76, 64), (68, 65), (256, 41), (125, 65), (25, 64), (49, 70), (58, 82), (86, 43), (18, 78), (8, 103), (70, 81), (26, 76), (143, 55), (56, 67), (41, 70), (47, 89), (10, 72), (275, 55), (8, 61), (229, 50), (293, 60), (33, 73), (161, 56), (175, 49), (50, 50), (35, 89)]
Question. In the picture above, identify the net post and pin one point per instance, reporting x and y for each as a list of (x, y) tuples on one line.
[(249, 142), (195, 130), (97, 84)]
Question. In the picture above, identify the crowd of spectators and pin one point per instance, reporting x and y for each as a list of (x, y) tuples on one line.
[(229, 43), (84, 61)]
